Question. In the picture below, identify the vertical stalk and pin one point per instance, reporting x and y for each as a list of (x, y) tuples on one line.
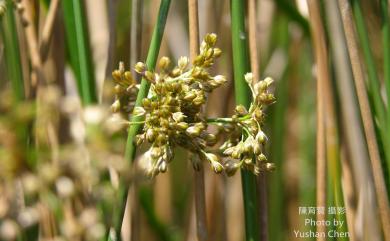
[(386, 53), (79, 49), (322, 77), (143, 91), (135, 55), (373, 83), (365, 110), (331, 130), (12, 51), (252, 31), (199, 190), (242, 95), (262, 178)]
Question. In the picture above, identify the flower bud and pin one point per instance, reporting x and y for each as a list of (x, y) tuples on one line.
[(150, 135), (260, 87), (193, 131), (249, 78), (211, 39), (178, 116), (211, 139), (217, 52), (268, 81), (140, 67), (149, 76), (164, 63), (190, 96), (241, 110), (182, 62), (116, 75), (248, 161), (182, 125), (220, 79), (261, 158), (175, 72), (231, 167), (261, 137), (138, 111)]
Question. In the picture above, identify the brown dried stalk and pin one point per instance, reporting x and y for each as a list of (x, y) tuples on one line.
[(199, 192), (380, 188), (322, 77), (47, 31)]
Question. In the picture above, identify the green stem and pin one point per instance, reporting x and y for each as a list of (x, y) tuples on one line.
[(143, 92), (242, 95), (386, 68), (374, 82), (79, 49), (12, 52), (386, 54), (293, 14)]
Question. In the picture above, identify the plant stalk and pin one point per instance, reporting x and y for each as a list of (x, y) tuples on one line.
[(365, 110), (322, 77), (373, 85), (143, 91), (242, 95), (199, 185), (12, 51), (79, 49)]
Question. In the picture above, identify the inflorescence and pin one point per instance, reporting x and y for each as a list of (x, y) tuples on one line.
[(172, 115)]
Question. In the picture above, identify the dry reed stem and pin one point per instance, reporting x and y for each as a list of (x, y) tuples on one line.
[(331, 132), (348, 192), (47, 31), (322, 77), (32, 43), (199, 192), (353, 49)]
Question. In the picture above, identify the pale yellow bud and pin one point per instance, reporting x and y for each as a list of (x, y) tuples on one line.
[(164, 63), (182, 62), (140, 67)]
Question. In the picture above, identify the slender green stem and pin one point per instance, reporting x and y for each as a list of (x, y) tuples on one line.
[(292, 12), (79, 49), (386, 68), (242, 94), (12, 51), (374, 82), (226, 120), (386, 54), (143, 92)]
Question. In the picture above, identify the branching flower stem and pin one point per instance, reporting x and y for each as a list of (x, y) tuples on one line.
[(143, 92)]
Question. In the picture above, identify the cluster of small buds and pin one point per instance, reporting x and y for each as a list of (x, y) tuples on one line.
[(246, 147), (172, 115), (125, 89), (172, 112)]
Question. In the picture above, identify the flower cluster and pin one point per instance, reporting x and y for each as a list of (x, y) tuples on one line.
[(125, 90), (173, 110), (245, 145), (172, 114)]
